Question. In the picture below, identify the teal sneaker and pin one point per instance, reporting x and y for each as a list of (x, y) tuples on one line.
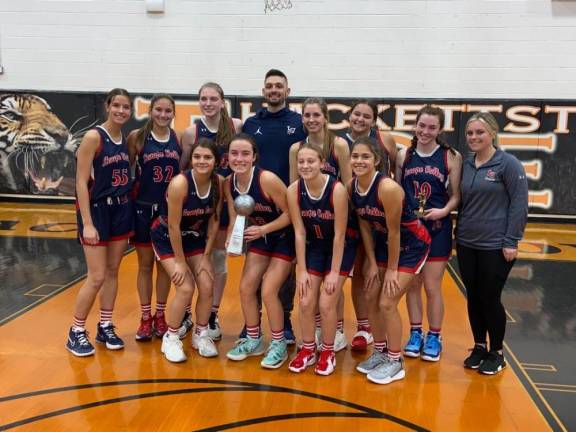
[(432, 347), (246, 347), (415, 344), (276, 355)]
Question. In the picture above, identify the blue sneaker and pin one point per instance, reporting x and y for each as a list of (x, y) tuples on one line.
[(289, 336), (107, 335), (78, 343), (432, 347), (415, 344), (276, 355)]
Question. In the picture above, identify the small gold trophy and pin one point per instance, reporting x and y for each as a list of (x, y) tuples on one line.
[(421, 205)]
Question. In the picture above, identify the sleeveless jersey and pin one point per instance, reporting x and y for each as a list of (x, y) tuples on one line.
[(426, 175), (368, 205), (318, 214), (157, 163), (110, 175), (376, 136), (196, 210), (265, 210), (202, 131)]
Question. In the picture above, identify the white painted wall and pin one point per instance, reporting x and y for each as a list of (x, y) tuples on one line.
[(379, 48)]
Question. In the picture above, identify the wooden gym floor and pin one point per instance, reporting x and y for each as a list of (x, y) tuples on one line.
[(43, 387)]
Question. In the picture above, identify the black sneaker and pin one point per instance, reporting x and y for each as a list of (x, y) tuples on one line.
[(475, 359), (492, 364), (288, 331)]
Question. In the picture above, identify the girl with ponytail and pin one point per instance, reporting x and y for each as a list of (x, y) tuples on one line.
[(155, 153), (429, 172), (216, 125), (183, 236)]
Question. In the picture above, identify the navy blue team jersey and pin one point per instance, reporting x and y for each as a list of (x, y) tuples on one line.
[(265, 211), (202, 131), (110, 169), (196, 210), (157, 163), (274, 134), (427, 175), (414, 238), (318, 214)]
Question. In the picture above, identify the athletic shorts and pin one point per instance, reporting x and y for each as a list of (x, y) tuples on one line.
[(414, 248), (279, 244), (441, 233), (145, 214), (319, 259), (192, 243), (113, 218)]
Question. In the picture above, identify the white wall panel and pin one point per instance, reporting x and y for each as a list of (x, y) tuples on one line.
[(385, 48)]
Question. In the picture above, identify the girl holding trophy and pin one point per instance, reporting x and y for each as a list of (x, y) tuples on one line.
[(429, 172), (270, 248), (394, 240)]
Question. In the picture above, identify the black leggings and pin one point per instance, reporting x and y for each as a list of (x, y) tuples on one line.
[(484, 273)]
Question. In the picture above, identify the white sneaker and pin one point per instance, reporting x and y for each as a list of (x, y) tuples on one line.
[(172, 348), (214, 330), (204, 344), (340, 342)]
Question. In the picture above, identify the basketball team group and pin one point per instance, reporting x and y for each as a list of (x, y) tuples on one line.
[(318, 209)]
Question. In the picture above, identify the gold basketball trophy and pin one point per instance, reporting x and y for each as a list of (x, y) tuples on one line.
[(244, 206), (420, 212)]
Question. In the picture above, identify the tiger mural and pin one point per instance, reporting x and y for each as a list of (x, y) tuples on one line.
[(36, 148)]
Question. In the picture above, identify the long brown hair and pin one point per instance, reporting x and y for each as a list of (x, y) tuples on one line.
[(328, 142), (145, 130), (436, 112), (225, 125), (374, 148)]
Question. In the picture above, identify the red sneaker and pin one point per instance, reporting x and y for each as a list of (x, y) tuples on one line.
[(303, 359), (326, 363), (362, 339), (160, 326), (144, 332)]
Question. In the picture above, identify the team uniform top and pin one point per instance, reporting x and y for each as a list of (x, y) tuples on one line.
[(318, 214), (110, 175), (265, 210), (428, 175), (202, 131), (196, 210), (369, 207), (274, 133), (158, 161)]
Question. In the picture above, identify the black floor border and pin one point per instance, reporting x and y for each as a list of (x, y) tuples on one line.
[(363, 412)]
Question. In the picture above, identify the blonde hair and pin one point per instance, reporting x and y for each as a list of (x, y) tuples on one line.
[(490, 122)]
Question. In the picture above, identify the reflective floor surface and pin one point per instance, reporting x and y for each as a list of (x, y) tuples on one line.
[(45, 388)]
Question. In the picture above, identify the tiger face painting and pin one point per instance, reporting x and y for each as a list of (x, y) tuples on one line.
[(36, 148)]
